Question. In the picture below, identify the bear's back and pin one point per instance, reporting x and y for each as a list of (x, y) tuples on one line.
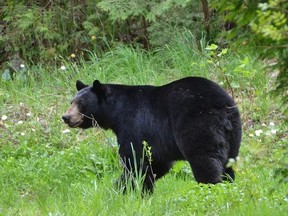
[(193, 90)]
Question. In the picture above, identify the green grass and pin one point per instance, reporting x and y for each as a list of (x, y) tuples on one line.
[(47, 172)]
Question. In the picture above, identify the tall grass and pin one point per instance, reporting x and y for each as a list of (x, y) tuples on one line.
[(46, 169)]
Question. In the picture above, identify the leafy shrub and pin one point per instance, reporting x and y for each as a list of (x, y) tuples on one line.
[(152, 23), (262, 26), (41, 31)]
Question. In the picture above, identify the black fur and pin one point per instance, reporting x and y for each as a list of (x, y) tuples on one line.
[(190, 119)]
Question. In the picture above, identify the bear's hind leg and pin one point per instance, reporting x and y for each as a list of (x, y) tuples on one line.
[(206, 169)]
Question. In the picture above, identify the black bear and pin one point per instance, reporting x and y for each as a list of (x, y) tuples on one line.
[(191, 119)]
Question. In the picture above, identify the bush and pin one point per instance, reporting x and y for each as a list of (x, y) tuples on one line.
[(41, 31)]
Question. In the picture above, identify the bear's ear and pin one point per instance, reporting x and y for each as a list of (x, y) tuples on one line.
[(98, 87), (80, 85), (101, 90)]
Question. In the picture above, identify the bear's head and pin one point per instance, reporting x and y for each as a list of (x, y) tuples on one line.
[(85, 110)]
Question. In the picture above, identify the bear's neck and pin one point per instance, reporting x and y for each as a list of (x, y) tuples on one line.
[(122, 112)]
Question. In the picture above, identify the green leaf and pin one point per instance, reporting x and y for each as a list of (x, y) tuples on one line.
[(223, 52), (212, 47)]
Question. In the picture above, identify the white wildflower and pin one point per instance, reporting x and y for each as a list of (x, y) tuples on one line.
[(20, 122), (63, 67), (272, 124), (4, 117), (22, 133), (66, 131), (22, 66), (258, 132), (29, 114), (273, 131)]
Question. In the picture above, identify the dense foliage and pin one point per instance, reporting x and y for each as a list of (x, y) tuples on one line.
[(41, 31), (263, 26)]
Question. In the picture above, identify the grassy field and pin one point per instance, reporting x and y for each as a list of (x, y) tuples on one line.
[(47, 169)]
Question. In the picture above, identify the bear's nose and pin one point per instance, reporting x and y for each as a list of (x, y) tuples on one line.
[(66, 118)]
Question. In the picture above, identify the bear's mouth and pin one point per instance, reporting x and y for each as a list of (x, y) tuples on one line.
[(75, 124)]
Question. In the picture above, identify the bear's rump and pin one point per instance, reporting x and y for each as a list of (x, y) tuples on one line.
[(206, 133)]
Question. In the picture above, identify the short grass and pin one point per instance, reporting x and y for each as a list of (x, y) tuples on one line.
[(47, 170)]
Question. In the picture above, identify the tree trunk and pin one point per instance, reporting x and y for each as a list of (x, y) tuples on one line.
[(206, 12)]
